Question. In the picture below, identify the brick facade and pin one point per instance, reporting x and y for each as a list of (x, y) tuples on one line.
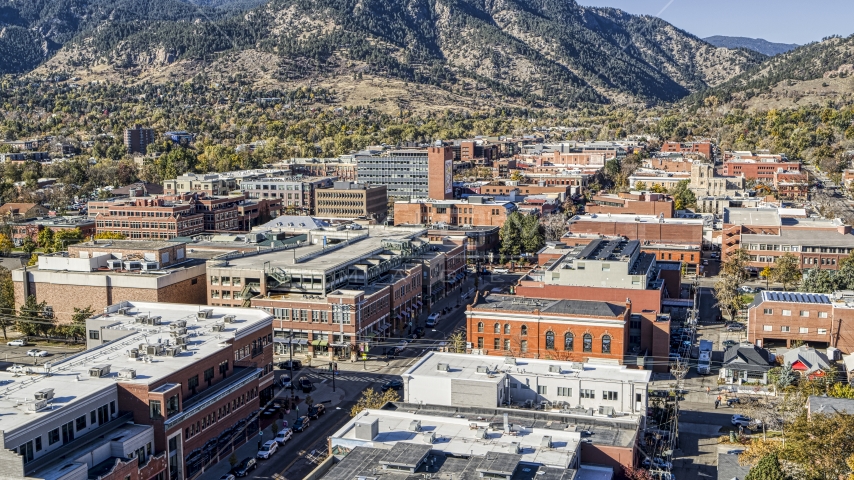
[(440, 170), (635, 204), (452, 213), (819, 324), (754, 170), (703, 148), (678, 233)]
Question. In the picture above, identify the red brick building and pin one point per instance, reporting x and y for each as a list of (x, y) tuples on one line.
[(440, 167), (668, 164), (31, 228), (147, 218), (816, 319), (646, 228), (703, 148), (480, 211), (642, 203)]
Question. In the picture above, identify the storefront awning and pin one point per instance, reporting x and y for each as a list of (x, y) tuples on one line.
[(320, 343), (340, 345)]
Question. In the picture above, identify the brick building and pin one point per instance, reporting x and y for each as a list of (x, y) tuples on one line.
[(668, 164), (793, 186), (572, 330), (31, 228), (297, 195), (476, 210), (218, 184), (409, 173), (352, 200), (475, 151), (137, 139), (147, 218), (767, 233), (633, 203), (103, 272), (481, 241), (524, 189), (703, 148), (816, 319), (646, 228), (759, 169)]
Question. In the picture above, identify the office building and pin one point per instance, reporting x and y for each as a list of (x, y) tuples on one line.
[(644, 228), (137, 139), (297, 195), (410, 173), (631, 203), (351, 200)]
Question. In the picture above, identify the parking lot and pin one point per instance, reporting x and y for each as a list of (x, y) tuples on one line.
[(10, 355)]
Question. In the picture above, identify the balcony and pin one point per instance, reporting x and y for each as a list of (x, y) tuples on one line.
[(239, 379)]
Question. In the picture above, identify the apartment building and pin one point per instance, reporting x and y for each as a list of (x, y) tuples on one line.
[(349, 200), (217, 184), (137, 139), (143, 406), (524, 189), (409, 173), (477, 152), (476, 210), (100, 273), (343, 168), (333, 291), (632, 203), (776, 319), (645, 228), (794, 186), (147, 217), (297, 195), (767, 233), (705, 149), (671, 164), (760, 168), (481, 241)]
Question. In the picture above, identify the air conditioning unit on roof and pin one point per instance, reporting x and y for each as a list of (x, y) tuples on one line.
[(127, 373)]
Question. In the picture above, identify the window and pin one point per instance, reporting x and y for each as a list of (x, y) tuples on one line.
[(67, 432), (524, 330), (822, 314), (804, 330), (209, 375), (609, 395), (564, 392), (172, 405), (787, 313), (479, 342), (767, 328), (805, 313), (523, 346), (496, 328), (223, 368), (154, 409), (53, 436), (606, 344), (479, 327), (39, 444), (822, 331), (80, 422), (550, 341), (496, 343), (767, 311), (93, 417), (506, 345), (514, 385), (588, 342), (568, 340), (784, 329), (587, 393), (506, 329), (541, 389), (94, 335), (112, 408), (193, 383), (606, 267)]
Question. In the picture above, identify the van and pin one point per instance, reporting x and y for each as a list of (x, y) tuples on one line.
[(500, 270), (432, 320)]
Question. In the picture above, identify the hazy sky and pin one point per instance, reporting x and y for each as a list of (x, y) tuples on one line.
[(785, 21)]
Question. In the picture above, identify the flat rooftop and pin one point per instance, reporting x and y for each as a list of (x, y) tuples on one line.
[(70, 379), (795, 297), (792, 236), (752, 216), (562, 307), (465, 366), (126, 244), (629, 218)]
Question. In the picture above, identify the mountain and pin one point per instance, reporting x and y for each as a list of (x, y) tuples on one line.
[(756, 44), (813, 73), (531, 52)]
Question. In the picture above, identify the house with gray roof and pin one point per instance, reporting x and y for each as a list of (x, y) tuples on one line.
[(829, 405), (746, 362), (807, 361), (729, 468)]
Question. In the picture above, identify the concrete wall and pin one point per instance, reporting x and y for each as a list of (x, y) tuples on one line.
[(431, 390), (527, 384), (464, 392)]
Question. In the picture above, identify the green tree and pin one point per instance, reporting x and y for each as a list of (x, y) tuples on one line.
[(5, 244), (77, 328), (640, 186), (7, 300), (45, 239), (766, 273), (109, 236), (768, 468), (29, 246), (63, 238), (818, 281), (35, 318), (735, 266), (683, 197), (370, 399), (787, 270)]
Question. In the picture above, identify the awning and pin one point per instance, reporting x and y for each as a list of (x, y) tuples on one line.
[(320, 343), (296, 341), (340, 345)]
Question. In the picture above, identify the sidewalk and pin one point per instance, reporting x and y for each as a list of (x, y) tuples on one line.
[(322, 394)]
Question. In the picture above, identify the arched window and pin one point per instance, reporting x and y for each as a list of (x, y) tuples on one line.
[(588, 342), (568, 340), (524, 330), (506, 329), (550, 341), (479, 327), (497, 328), (606, 344)]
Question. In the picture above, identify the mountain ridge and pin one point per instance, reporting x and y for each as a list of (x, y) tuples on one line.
[(756, 44)]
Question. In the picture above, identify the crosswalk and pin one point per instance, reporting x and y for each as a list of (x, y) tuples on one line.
[(347, 377)]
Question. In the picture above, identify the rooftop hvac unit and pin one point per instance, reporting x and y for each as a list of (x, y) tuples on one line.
[(577, 366), (36, 405), (124, 310), (154, 349), (481, 432), (141, 318), (554, 369), (609, 411), (482, 369), (182, 340), (133, 353), (178, 324), (150, 266), (156, 320), (205, 313), (415, 426), (132, 265), (443, 367), (228, 318), (99, 371), (218, 327), (509, 360), (515, 447), (172, 351), (429, 437), (127, 373), (114, 264), (546, 442), (177, 332), (44, 394)]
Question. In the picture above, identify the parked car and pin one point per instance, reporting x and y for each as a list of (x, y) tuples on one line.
[(500, 270), (35, 352), (289, 364), (268, 449), (227, 476), (729, 343), (283, 436), (17, 369), (243, 468), (419, 331), (734, 327), (745, 289), (433, 320), (305, 384), (705, 262), (17, 343), (320, 408), (392, 385), (742, 421), (732, 401), (301, 424), (285, 382)]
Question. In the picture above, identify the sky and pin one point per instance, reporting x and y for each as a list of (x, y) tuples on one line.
[(784, 21)]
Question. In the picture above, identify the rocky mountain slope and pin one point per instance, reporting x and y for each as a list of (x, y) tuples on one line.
[(756, 44)]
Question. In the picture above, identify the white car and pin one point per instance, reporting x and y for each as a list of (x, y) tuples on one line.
[(17, 343), (743, 421), (432, 320), (268, 449), (500, 270), (17, 369), (283, 436), (35, 352)]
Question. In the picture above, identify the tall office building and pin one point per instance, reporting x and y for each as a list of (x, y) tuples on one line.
[(138, 138), (409, 173)]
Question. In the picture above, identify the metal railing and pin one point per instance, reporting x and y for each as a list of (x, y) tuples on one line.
[(206, 399)]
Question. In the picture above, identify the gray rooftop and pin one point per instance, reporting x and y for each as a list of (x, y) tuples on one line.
[(830, 405), (808, 237), (795, 297), (752, 216), (729, 468), (561, 307)]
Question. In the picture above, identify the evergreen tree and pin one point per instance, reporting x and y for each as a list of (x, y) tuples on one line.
[(768, 468)]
